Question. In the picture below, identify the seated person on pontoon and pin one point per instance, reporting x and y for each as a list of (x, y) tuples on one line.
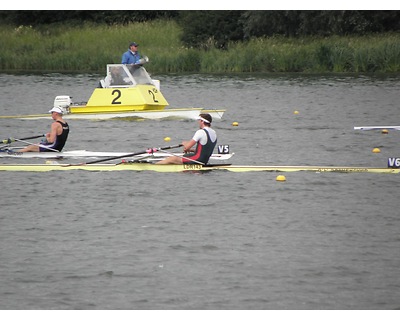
[(56, 138)]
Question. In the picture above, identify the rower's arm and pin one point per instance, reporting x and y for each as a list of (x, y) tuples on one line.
[(51, 136), (187, 145)]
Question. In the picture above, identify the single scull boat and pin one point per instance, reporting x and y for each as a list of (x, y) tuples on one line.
[(155, 156), (135, 166), (377, 128)]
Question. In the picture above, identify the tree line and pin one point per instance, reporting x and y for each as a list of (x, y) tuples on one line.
[(216, 28)]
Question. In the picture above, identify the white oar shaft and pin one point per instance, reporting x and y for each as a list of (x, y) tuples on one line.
[(36, 144)]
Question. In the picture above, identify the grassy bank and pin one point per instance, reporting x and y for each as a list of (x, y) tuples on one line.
[(89, 48)]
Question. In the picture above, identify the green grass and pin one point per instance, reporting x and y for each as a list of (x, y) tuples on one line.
[(90, 47)]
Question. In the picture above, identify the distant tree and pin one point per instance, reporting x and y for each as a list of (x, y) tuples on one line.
[(206, 28), (42, 17), (383, 21), (321, 22), (268, 23), (216, 28)]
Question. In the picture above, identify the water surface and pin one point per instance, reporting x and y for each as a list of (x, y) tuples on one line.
[(215, 240)]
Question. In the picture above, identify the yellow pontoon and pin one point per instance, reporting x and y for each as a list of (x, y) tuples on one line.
[(125, 92)]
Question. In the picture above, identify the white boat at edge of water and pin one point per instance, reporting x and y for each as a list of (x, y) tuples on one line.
[(366, 128)]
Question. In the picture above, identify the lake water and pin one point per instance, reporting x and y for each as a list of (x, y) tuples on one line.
[(215, 240)]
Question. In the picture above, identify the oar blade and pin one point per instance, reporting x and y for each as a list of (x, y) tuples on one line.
[(11, 139)]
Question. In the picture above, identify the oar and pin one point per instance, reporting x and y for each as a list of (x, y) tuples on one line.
[(36, 144), (10, 140), (182, 157), (151, 150)]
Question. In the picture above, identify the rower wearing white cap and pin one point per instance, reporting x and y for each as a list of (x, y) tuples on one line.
[(205, 140), (56, 138)]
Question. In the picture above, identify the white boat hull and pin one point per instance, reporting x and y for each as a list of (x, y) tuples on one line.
[(155, 156), (377, 128), (183, 113)]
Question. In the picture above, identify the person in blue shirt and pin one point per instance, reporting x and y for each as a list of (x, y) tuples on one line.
[(132, 56)]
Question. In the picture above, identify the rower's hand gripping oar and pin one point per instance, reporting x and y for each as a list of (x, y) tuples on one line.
[(150, 150), (10, 140)]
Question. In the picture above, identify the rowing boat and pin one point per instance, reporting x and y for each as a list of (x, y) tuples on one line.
[(154, 156), (134, 166), (377, 128), (125, 92)]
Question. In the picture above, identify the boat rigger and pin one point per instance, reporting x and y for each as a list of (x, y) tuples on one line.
[(134, 166)]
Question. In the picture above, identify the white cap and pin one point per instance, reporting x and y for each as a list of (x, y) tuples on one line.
[(202, 119), (56, 109)]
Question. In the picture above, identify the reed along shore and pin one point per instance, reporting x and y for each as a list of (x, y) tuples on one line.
[(89, 48)]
